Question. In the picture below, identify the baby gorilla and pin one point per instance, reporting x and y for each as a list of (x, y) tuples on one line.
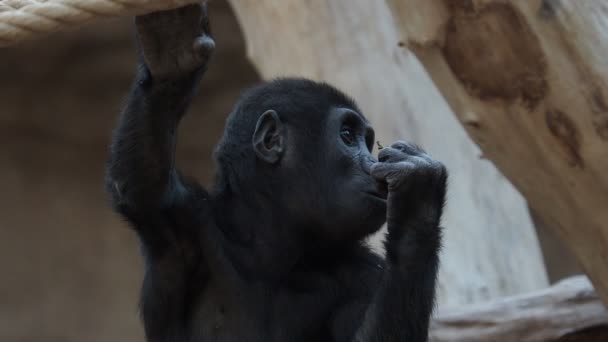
[(275, 251)]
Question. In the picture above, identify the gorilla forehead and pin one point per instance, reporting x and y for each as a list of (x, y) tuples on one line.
[(297, 101), (300, 103)]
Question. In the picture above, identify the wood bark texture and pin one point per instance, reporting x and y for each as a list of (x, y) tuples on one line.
[(568, 311), (352, 44), (529, 81)]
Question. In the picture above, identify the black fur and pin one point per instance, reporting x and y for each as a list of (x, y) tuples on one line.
[(274, 252)]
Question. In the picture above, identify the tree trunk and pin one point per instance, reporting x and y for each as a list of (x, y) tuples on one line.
[(568, 311), (529, 81), (353, 44)]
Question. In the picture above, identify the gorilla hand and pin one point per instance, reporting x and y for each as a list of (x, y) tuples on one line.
[(416, 188), (175, 43)]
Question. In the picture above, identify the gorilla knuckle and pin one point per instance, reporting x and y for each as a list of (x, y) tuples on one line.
[(390, 155), (434, 168), (408, 147), (205, 45), (175, 42)]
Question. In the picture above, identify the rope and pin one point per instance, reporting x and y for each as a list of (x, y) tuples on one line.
[(25, 19)]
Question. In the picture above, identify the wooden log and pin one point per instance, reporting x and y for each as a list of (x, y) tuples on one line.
[(529, 81), (567, 311), (353, 44)]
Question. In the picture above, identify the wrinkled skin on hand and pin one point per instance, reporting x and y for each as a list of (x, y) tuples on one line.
[(175, 43)]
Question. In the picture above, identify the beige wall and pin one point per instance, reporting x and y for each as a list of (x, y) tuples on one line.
[(71, 269)]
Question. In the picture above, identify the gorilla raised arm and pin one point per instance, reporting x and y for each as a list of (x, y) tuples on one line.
[(275, 251)]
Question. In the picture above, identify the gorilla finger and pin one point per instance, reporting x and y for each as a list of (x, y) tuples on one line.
[(408, 147), (205, 18), (204, 44), (391, 155), (386, 171)]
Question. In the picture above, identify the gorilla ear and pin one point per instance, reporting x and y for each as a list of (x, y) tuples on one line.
[(268, 137)]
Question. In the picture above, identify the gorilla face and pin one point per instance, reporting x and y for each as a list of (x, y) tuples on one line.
[(332, 189), (356, 202), (312, 150)]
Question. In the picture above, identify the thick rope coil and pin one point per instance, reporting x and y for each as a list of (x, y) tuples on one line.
[(26, 19)]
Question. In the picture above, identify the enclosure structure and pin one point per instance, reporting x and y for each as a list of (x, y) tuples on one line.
[(529, 82), (490, 236)]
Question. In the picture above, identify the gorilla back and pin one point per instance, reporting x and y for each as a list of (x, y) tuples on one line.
[(275, 251)]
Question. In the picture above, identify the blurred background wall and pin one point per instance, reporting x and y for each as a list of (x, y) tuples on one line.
[(71, 269)]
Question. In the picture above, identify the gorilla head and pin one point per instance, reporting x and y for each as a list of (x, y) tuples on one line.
[(305, 148)]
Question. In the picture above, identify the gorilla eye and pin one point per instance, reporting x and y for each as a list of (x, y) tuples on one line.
[(347, 136)]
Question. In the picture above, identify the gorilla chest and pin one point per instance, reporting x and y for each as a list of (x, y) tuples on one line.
[(257, 313)]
